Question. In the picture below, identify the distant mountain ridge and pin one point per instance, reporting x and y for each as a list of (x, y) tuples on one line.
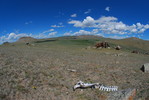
[(131, 43)]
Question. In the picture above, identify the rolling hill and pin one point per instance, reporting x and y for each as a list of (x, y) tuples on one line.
[(42, 70)]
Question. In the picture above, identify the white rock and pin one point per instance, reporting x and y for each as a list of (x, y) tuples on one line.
[(145, 67)]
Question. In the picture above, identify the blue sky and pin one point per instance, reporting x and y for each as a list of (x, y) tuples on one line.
[(51, 18)]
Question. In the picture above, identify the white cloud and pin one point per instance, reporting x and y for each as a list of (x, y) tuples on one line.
[(104, 19), (83, 32), (99, 34), (107, 9), (88, 22), (57, 26), (88, 11), (67, 34), (50, 30), (142, 30), (117, 37), (39, 36), (46, 34), (52, 33), (12, 37), (76, 23), (110, 25), (95, 31), (74, 15), (134, 30)]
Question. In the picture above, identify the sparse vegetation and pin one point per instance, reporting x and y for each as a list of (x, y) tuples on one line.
[(40, 72)]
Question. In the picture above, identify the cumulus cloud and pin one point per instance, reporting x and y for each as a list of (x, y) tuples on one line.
[(74, 15), (110, 25), (88, 22), (88, 11), (12, 37), (83, 32), (107, 9)]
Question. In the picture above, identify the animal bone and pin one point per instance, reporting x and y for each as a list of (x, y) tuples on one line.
[(83, 85), (71, 70), (108, 88)]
